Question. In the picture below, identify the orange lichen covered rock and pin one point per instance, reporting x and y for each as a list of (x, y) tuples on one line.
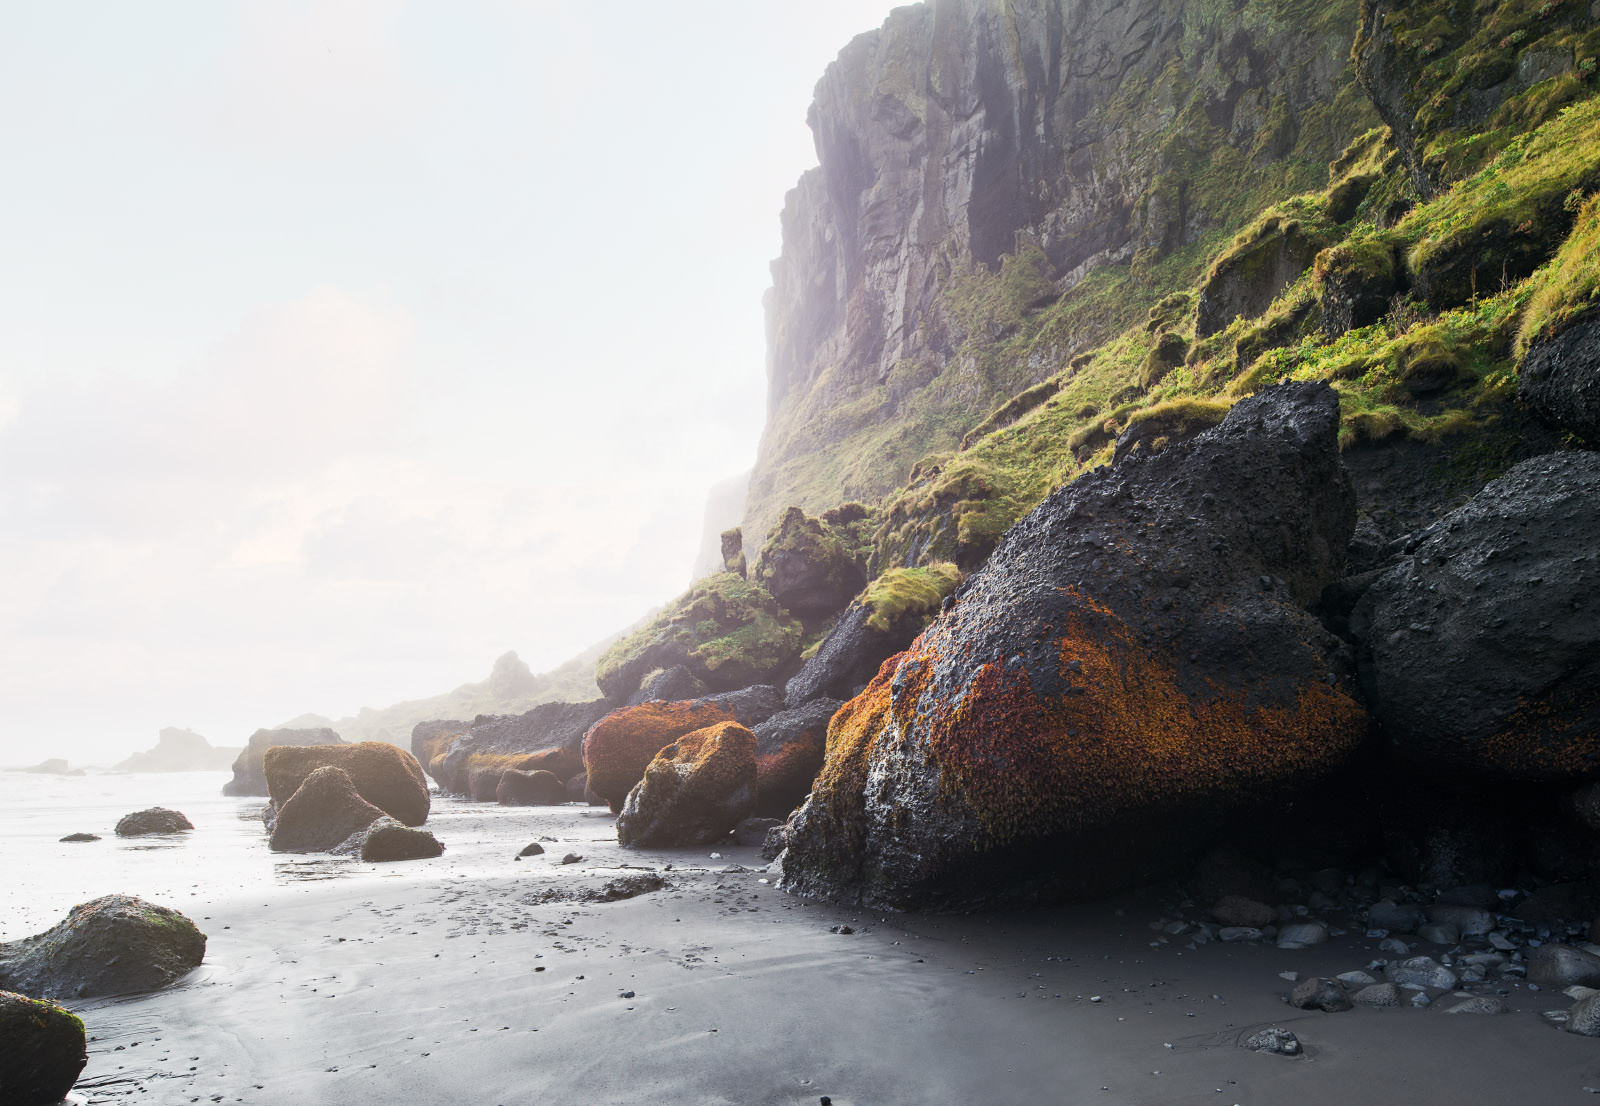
[(694, 791), (384, 775), (1133, 662), (548, 738), (618, 748)]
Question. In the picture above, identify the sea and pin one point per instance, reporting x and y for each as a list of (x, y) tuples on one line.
[(224, 858)]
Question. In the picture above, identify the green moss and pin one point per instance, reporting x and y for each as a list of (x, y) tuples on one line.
[(1569, 286), (908, 592)]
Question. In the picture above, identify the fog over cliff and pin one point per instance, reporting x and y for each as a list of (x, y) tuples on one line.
[(351, 345)]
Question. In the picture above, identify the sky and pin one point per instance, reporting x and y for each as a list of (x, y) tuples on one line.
[(346, 345)]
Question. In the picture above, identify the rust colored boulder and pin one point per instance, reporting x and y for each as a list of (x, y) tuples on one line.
[(158, 819), (519, 788), (387, 840), (694, 792), (431, 740), (43, 1048), (1482, 643), (322, 814), (789, 751), (384, 775), (619, 747), (249, 771), (1134, 662), (113, 945)]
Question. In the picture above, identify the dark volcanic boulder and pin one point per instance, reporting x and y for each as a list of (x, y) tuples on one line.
[(789, 754), (249, 774), (1481, 646), (325, 811), (432, 739), (387, 840), (807, 568), (519, 788), (384, 775), (620, 746), (694, 792), (892, 611), (111, 946), (672, 685), (1132, 662), (158, 819), (1245, 280), (42, 1050), (749, 706), (1560, 378), (548, 738)]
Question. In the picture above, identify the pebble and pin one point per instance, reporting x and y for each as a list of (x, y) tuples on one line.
[(1377, 995), (571, 858), (1299, 935), (1355, 979), (1394, 945), (1422, 971), (1421, 999), (1439, 933)]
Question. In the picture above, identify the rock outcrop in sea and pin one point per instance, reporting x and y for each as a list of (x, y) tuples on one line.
[(249, 773), (386, 776)]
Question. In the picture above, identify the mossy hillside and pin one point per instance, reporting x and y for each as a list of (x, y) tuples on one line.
[(728, 630), (908, 593), (1407, 371), (1569, 286)]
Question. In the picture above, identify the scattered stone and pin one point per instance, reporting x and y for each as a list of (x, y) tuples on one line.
[(1478, 1004), (534, 849), (42, 1051), (81, 837), (113, 945), (1316, 993), (1377, 995), (1395, 918), (158, 819), (1239, 933), (753, 831), (1468, 921), (1299, 935), (1438, 933), (1422, 971), (1280, 1041), (387, 840), (1558, 966), (1421, 999), (1237, 910), (1394, 945), (776, 841), (1584, 1017), (1355, 979), (572, 858)]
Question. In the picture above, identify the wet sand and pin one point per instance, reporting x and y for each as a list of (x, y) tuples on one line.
[(475, 979)]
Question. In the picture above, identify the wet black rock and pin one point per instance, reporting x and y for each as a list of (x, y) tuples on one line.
[(158, 819), (850, 655), (43, 1048), (671, 685), (113, 945), (1481, 644), (1560, 378), (750, 706)]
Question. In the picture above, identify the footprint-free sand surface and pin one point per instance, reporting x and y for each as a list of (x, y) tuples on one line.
[(477, 979)]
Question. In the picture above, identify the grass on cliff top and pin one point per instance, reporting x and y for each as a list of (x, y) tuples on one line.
[(906, 592), (1569, 286)]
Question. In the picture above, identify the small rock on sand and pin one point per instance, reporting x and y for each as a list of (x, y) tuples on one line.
[(81, 837), (533, 849), (1319, 994), (1299, 935), (571, 858), (1280, 1041), (158, 819), (1378, 995)]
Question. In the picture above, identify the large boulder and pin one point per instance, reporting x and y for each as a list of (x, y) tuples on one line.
[(384, 775), (694, 792), (432, 739), (386, 840), (1481, 644), (322, 813), (113, 945), (881, 622), (42, 1050), (807, 568), (789, 752), (619, 747), (749, 706), (728, 632), (1560, 378), (548, 738), (157, 819), (669, 685), (250, 774), (519, 788), (1133, 662)]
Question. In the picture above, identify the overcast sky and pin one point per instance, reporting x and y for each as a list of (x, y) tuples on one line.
[(347, 345)]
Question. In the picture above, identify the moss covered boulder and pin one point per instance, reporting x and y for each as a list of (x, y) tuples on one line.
[(882, 621), (113, 945), (536, 788), (1244, 280), (729, 632), (1135, 661), (1482, 643), (1559, 340), (620, 746), (322, 813), (249, 769), (384, 775), (694, 791), (43, 1048), (807, 568), (387, 840), (157, 819)]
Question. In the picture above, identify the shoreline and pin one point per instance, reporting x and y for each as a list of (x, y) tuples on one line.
[(422, 985)]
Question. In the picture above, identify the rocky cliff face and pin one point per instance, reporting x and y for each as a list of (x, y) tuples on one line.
[(979, 158)]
